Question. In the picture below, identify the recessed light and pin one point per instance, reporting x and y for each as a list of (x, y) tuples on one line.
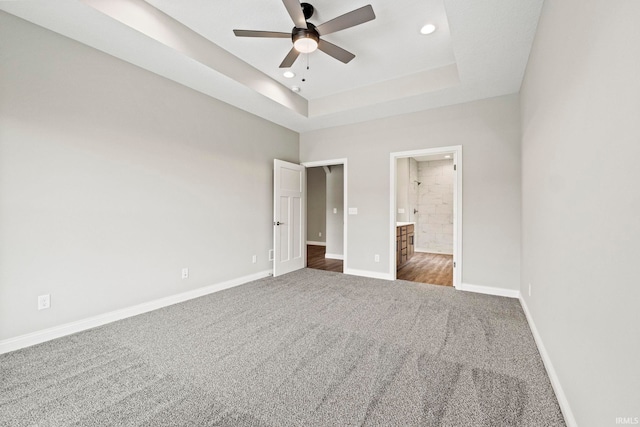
[(296, 88), (428, 29), (289, 74)]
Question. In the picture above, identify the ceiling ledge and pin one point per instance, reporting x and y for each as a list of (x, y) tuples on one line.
[(148, 20), (390, 90)]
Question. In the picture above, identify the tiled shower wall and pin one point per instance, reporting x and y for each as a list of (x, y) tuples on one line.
[(413, 189), (435, 207)]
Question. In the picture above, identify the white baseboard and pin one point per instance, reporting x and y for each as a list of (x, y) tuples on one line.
[(553, 377), (334, 256), (501, 292), (38, 337), (310, 242), (367, 273), (428, 251)]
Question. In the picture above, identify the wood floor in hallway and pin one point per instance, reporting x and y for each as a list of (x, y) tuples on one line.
[(436, 269), (316, 259)]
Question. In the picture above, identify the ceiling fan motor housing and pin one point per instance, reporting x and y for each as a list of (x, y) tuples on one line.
[(308, 33)]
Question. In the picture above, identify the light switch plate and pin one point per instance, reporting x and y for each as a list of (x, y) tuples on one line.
[(353, 211)]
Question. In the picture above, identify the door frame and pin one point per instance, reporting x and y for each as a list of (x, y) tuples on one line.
[(333, 162), (456, 151)]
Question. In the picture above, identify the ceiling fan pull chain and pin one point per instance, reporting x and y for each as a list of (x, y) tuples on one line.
[(304, 76)]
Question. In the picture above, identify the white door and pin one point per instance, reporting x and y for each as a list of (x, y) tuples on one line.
[(289, 206)]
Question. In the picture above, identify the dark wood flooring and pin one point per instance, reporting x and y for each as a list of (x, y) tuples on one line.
[(316, 259), (436, 269)]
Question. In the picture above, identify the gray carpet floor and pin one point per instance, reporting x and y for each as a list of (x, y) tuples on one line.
[(311, 348)]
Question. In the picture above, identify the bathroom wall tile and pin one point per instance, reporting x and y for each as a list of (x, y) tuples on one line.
[(434, 220)]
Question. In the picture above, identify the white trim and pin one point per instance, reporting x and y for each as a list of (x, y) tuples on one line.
[(488, 290), (334, 256), (332, 162), (311, 242), (367, 273), (429, 251), (551, 372), (345, 209), (38, 337), (456, 150)]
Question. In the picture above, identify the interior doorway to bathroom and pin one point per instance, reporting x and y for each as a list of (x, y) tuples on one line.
[(426, 215)]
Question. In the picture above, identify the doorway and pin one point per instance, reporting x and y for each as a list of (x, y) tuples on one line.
[(326, 218), (426, 215)]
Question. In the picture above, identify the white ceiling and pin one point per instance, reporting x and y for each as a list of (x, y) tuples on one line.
[(479, 50), (387, 47)]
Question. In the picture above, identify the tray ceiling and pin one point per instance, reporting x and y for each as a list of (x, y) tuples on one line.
[(479, 50)]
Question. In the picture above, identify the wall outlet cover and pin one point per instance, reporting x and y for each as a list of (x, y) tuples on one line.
[(44, 302), (353, 211), (185, 273)]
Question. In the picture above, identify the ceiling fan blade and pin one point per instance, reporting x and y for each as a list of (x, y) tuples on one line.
[(295, 11), (337, 52), (348, 20), (268, 34), (290, 58)]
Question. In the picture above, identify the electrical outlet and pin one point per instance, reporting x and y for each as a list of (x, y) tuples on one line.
[(320, 234), (335, 210), (376, 258), (529, 289), (44, 302), (185, 273), (254, 259), (270, 254)]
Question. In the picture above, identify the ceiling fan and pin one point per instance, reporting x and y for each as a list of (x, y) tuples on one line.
[(306, 36)]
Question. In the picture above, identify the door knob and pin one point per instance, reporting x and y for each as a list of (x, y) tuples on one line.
[(278, 223)]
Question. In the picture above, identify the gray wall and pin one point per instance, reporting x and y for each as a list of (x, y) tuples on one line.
[(489, 132), (316, 204), (335, 221), (581, 227), (112, 179)]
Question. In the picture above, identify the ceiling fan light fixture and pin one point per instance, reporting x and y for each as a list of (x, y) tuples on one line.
[(427, 29), (305, 36), (305, 41)]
